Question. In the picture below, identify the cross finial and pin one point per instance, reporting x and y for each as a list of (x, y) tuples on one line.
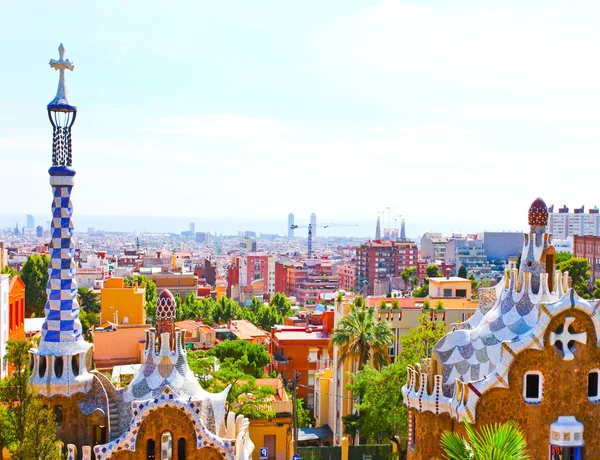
[(61, 102), (61, 64)]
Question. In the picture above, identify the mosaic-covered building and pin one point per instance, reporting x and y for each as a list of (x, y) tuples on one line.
[(163, 413), (530, 353)]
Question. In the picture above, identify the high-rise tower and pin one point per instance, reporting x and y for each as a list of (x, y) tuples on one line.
[(378, 229), (290, 225), (313, 223), (63, 358)]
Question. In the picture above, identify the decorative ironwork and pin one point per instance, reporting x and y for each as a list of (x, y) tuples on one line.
[(61, 113), (62, 154)]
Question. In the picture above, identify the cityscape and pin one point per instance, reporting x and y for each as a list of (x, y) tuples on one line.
[(324, 302)]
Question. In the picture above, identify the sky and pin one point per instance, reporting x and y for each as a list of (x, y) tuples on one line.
[(456, 115)]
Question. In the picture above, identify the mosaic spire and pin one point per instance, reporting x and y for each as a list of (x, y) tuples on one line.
[(60, 361)]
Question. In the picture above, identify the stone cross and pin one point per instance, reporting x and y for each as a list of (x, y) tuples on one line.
[(61, 65), (565, 337)]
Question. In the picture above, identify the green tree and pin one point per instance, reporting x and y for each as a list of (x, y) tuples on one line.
[(245, 396), (6, 270), (421, 291), (27, 425), (408, 273), (151, 294), (35, 276), (88, 319), (88, 300), (462, 271), (395, 304), (282, 303), (433, 271), (563, 257), (251, 358), (419, 341), (439, 305), (579, 271), (495, 441), (596, 293), (358, 335), (383, 415), (383, 304), (303, 415)]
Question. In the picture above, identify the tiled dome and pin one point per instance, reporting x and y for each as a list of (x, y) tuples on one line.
[(538, 213), (166, 306)]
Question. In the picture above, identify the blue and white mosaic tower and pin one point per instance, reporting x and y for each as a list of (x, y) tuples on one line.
[(62, 361)]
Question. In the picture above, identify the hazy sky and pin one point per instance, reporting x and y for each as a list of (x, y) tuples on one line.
[(456, 112)]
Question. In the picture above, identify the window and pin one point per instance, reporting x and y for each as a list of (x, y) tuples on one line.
[(166, 446), (593, 389), (58, 416), (150, 449), (181, 449), (532, 387)]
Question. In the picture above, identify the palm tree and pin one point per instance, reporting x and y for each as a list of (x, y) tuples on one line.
[(493, 442), (359, 335)]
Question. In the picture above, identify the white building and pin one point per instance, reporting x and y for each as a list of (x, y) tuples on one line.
[(4, 287), (563, 224)]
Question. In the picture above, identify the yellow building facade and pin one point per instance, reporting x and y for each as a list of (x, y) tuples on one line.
[(275, 433), (123, 304)]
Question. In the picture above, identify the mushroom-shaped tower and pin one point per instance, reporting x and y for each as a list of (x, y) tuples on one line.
[(62, 361)]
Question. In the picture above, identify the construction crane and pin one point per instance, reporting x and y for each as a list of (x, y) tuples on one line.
[(326, 225)]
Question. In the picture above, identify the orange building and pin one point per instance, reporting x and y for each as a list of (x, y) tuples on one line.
[(117, 345), (123, 304), (16, 308), (180, 284), (298, 349)]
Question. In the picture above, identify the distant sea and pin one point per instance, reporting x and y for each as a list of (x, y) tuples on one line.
[(225, 226)]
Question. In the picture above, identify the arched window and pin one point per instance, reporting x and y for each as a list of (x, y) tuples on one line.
[(166, 446), (150, 449), (181, 449)]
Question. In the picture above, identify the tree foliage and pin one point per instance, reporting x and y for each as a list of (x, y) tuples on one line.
[(212, 311), (35, 276), (596, 293), (433, 271), (88, 300), (6, 270), (245, 396), (462, 272), (27, 426), (421, 291), (579, 271), (382, 412), (563, 257), (251, 358), (360, 336), (495, 441), (419, 342), (302, 414)]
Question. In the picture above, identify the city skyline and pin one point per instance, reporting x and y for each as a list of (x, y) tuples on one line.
[(225, 93)]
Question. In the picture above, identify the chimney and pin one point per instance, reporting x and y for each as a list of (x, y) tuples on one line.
[(448, 273)]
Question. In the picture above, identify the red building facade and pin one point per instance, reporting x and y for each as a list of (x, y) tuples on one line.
[(380, 260), (588, 247)]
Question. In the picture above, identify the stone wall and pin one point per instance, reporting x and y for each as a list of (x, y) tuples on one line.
[(564, 393), (76, 428)]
